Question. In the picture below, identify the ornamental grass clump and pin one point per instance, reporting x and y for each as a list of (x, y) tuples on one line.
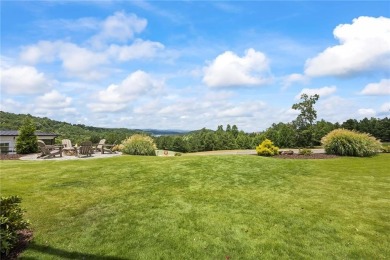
[(350, 143), (267, 148), (138, 145)]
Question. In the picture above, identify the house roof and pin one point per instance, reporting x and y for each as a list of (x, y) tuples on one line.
[(16, 133)]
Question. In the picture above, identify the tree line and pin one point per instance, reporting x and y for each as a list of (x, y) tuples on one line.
[(283, 135)]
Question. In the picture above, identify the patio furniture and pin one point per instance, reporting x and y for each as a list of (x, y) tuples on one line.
[(85, 148), (99, 146), (49, 151), (107, 148), (67, 147)]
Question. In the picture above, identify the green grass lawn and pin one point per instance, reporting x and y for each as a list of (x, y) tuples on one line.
[(204, 207)]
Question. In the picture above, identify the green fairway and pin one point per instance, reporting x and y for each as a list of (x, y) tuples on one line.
[(204, 207)]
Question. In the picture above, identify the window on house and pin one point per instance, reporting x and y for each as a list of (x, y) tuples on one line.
[(4, 148)]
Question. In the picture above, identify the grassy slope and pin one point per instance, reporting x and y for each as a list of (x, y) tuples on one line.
[(245, 207)]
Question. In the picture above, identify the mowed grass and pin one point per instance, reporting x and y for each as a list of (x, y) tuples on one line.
[(204, 207)]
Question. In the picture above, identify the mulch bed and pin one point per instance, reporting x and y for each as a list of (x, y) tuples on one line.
[(25, 236), (311, 156), (10, 156)]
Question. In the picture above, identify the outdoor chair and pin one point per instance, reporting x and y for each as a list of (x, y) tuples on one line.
[(85, 148), (67, 146), (108, 148), (99, 146), (48, 151)]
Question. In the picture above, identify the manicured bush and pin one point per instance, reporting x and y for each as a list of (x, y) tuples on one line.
[(305, 151), (139, 145), (267, 148), (350, 143), (11, 221)]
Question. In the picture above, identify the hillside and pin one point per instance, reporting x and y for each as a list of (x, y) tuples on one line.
[(75, 132)]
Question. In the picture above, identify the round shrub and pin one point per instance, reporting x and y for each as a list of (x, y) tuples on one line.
[(11, 222), (138, 145), (350, 143), (267, 148), (305, 151)]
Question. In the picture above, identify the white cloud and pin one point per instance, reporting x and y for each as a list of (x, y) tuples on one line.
[(322, 92), (228, 69), (53, 100), (117, 96), (242, 110), (81, 62), (23, 80), (139, 49), (119, 27), (43, 51), (77, 61), (294, 78), (364, 46), (381, 88), (366, 112)]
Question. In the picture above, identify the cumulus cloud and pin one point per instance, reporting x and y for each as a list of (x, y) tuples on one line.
[(322, 92), (53, 100), (139, 49), (81, 62), (133, 86), (23, 80), (228, 69), (366, 112), (294, 78), (119, 27), (77, 61), (364, 46), (381, 88)]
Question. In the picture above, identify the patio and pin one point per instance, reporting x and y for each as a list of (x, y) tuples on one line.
[(96, 155)]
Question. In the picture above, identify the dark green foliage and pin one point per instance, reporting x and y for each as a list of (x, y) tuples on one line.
[(11, 221), (379, 128), (27, 141), (75, 132), (350, 143), (305, 120)]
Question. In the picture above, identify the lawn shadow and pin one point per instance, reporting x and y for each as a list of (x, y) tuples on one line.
[(60, 253)]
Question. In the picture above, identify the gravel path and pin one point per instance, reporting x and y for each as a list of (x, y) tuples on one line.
[(65, 157), (248, 152)]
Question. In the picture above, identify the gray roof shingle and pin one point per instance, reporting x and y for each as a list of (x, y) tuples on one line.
[(16, 133)]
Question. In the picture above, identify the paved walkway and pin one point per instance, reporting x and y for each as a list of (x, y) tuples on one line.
[(247, 152), (66, 157)]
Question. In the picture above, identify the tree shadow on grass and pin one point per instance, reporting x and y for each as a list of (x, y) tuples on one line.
[(63, 254)]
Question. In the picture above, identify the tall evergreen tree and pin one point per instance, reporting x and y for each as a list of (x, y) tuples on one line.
[(27, 142)]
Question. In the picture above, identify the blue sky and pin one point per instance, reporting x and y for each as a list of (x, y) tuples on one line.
[(194, 64)]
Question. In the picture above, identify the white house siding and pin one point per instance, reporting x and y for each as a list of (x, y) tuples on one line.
[(8, 142)]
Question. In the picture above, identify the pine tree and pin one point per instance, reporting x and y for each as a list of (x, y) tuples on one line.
[(27, 141)]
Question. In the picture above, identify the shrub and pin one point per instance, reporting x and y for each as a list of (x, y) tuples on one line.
[(11, 221), (177, 154), (350, 143), (305, 151), (139, 145), (267, 148)]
